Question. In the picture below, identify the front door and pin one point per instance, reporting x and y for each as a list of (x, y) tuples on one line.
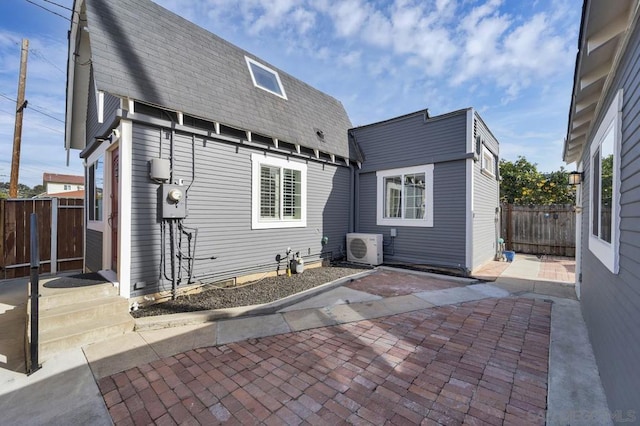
[(115, 188)]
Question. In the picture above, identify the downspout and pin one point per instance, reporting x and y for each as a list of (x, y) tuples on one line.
[(356, 208), (354, 224), (352, 178)]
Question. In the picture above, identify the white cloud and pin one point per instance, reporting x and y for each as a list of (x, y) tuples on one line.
[(349, 16), (350, 59)]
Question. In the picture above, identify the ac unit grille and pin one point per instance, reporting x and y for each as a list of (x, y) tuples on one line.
[(358, 248), (364, 248)]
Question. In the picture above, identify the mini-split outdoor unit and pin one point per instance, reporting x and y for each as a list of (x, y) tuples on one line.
[(364, 248)]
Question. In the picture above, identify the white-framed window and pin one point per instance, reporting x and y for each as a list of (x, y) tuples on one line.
[(279, 193), (265, 78), (405, 196), (604, 189), (488, 161), (96, 190)]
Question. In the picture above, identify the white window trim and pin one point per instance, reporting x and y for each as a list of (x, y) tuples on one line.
[(491, 171), (608, 253), (427, 169), (250, 61), (257, 160), (97, 225)]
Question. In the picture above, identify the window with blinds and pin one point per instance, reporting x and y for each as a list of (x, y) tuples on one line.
[(279, 188), (269, 192)]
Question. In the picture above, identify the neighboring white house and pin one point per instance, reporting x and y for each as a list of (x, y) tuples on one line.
[(55, 185)]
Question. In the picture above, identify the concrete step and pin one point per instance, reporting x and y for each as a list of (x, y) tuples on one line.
[(54, 297), (66, 316), (83, 333)]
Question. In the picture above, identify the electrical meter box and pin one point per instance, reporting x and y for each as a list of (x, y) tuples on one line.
[(173, 203)]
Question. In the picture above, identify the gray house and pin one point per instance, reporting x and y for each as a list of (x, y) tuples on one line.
[(205, 163), (603, 140), (430, 185)]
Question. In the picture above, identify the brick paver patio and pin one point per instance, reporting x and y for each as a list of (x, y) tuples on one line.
[(482, 362), (557, 268)]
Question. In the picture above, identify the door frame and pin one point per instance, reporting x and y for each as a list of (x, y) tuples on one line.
[(110, 234)]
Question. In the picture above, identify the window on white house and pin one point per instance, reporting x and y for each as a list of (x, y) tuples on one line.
[(488, 161), (96, 188), (265, 78), (405, 196), (67, 187), (604, 189), (279, 193)]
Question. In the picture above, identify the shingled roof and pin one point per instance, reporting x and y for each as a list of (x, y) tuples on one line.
[(144, 52)]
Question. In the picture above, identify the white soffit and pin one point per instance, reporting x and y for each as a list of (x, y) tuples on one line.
[(606, 26)]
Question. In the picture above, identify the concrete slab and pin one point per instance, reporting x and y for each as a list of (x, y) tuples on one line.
[(402, 304), (359, 311), (337, 296), (567, 291), (306, 319), (167, 342), (62, 392), (450, 296), (524, 265), (118, 354), (575, 394), (515, 285), (251, 328), (489, 290)]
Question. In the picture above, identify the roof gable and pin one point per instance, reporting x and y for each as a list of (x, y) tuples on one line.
[(142, 51)]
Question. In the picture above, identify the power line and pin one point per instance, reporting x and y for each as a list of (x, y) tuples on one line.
[(48, 10), (59, 5), (39, 125), (35, 108), (38, 54)]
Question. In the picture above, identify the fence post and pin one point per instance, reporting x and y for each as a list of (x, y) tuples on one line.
[(509, 243), (35, 294), (54, 236)]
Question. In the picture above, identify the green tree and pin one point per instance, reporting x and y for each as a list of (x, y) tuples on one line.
[(24, 191), (523, 184)]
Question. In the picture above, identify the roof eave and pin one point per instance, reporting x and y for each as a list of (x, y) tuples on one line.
[(599, 53)]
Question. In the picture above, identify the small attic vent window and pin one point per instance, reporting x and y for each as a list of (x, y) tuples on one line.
[(265, 78)]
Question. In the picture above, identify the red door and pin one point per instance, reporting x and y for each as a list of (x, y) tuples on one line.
[(115, 188)]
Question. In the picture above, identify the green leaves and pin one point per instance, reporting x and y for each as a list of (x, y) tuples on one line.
[(523, 184)]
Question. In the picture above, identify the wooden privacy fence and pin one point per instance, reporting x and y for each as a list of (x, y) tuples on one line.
[(60, 235), (540, 229)]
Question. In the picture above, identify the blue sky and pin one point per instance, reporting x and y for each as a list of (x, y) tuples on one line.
[(513, 61)]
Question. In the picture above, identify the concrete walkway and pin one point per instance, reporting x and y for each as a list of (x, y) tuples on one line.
[(72, 396)]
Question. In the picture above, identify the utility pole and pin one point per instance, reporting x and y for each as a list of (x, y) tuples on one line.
[(17, 132)]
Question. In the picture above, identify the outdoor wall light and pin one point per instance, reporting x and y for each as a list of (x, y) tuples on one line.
[(575, 178)]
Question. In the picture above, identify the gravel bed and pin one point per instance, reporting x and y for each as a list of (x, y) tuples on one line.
[(265, 290)]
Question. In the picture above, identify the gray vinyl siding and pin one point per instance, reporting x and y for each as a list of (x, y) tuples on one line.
[(610, 303), (219, 206), (486, 192), (93, 255), (412, 141), (110, 108)]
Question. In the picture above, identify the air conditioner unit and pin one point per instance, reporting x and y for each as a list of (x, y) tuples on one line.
[(364, 248)]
